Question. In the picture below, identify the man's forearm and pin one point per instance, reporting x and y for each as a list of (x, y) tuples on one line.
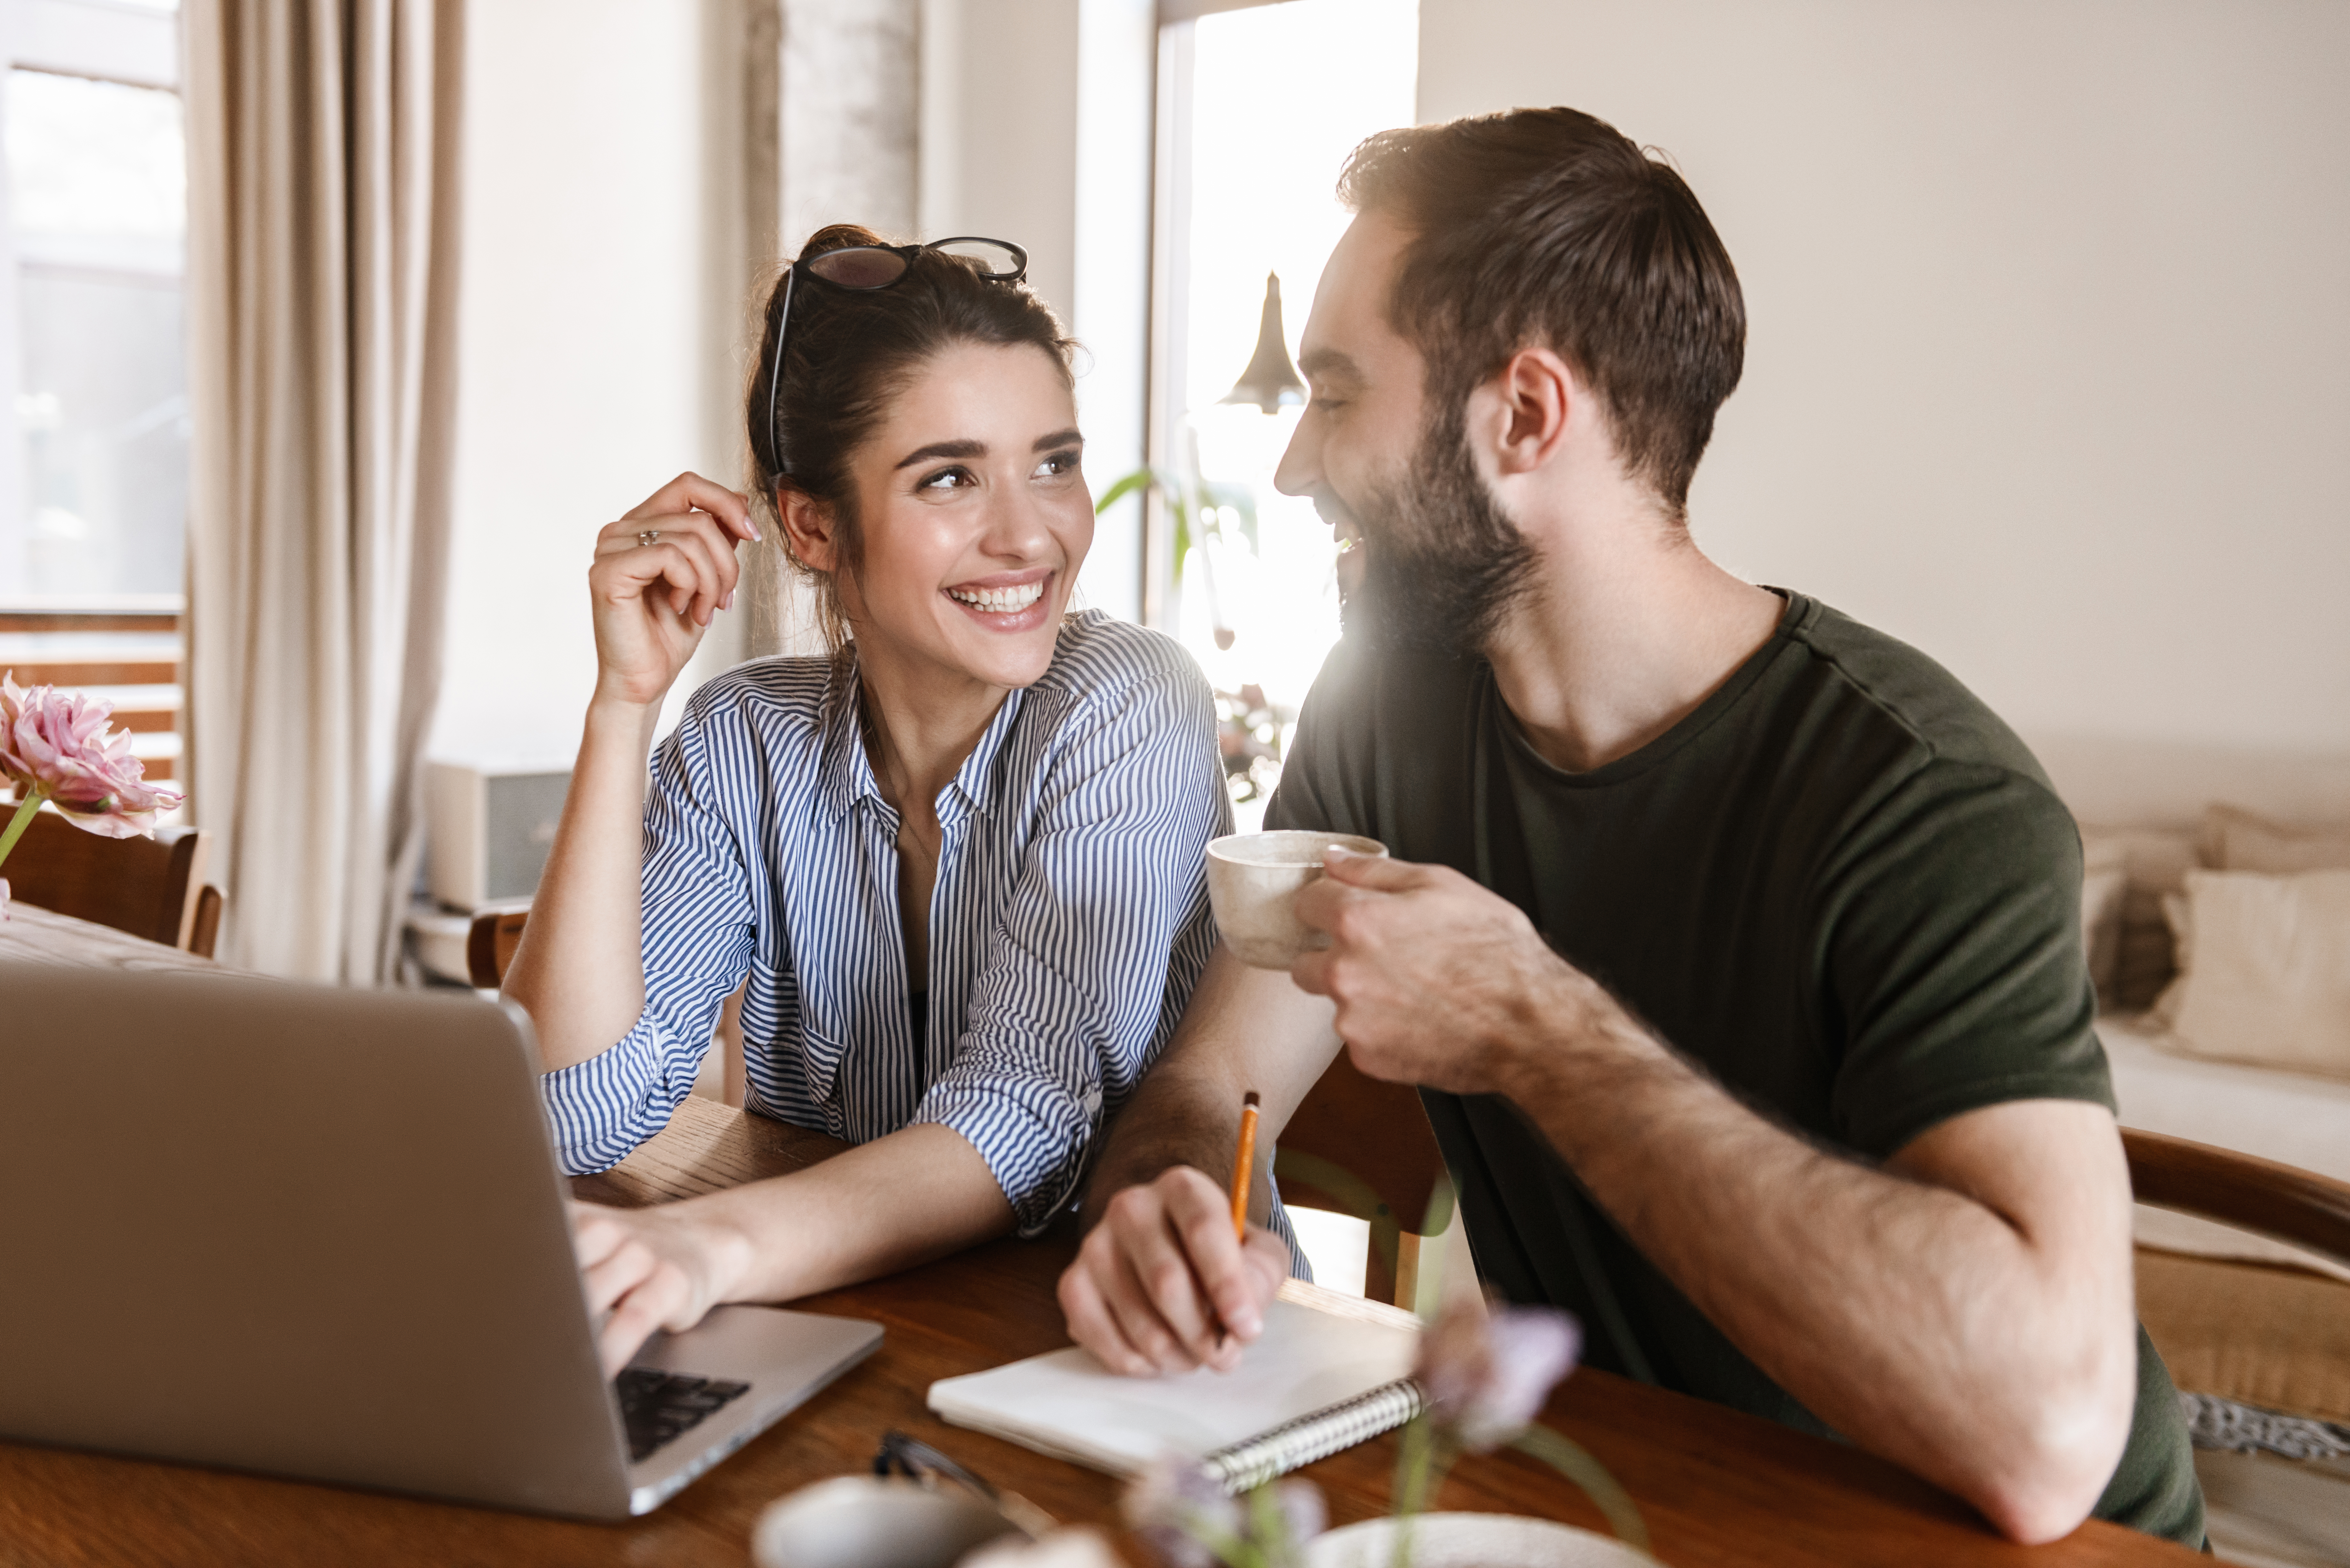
[(1245, 1030), (1184, 1114), (1921, 1322)]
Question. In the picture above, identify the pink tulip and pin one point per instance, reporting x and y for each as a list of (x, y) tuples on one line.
[(59, 746), (1487, 1370)]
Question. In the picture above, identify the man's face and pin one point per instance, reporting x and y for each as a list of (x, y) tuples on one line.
[(1393, 476)]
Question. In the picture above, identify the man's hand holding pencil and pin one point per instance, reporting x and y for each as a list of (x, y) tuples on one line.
[(1174, 1276)]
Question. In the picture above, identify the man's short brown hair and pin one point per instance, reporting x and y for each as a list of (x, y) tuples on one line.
[(1546, 226)]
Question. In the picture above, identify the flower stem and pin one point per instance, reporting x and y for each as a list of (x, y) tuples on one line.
[(1423, 1458), (1574, 1461), (22, 820)]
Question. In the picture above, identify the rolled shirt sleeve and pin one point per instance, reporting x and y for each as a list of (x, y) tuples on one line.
[(697, 947)]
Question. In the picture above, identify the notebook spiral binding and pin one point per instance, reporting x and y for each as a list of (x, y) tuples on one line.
[(1243, 1467)]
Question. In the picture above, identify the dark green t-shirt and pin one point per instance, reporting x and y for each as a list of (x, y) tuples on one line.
[(1842, 886)]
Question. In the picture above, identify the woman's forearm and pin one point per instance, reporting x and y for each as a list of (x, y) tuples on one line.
[(919, 1193), (579, 971)]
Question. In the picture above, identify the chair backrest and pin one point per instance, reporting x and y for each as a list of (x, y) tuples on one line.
[(491, 941), (2240, 1190), (1361, 1147), (496, 933), (147, 887), (206, 931)]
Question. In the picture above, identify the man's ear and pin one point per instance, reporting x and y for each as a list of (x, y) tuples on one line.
[(1527, 407), (808, 528)]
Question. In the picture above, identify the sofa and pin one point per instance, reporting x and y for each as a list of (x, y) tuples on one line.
[(2217, 910)]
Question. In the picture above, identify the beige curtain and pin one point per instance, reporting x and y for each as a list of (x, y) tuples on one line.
[(322, 201)]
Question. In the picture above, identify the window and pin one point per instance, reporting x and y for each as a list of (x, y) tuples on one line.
[(95, 218), (97, 202), (93, 467), (1259, 108)]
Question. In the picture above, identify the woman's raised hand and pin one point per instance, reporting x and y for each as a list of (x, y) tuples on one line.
[(660, 574)]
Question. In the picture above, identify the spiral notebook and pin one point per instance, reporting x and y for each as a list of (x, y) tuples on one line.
[(1330, 1370)]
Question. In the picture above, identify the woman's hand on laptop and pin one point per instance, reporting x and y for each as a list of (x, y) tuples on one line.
[(646, 1269)]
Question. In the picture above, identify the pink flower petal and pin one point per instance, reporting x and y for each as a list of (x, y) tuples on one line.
[(63, 745)]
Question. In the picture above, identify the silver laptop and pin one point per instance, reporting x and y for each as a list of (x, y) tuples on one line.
[(320, 1233)]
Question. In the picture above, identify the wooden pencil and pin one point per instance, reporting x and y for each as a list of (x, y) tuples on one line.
[(1243, 1159)]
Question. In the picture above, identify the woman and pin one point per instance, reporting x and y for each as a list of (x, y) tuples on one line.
[(958, 866)]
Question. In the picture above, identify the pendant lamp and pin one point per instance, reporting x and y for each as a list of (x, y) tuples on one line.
[(1270, 381)]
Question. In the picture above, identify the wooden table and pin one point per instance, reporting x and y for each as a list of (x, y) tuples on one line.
[(1716, 1486), (35, 935)]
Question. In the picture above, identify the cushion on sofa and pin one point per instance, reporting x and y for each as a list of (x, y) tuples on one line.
[(2239, 840), (2265, 969), (2155, 861), (2102, 894)]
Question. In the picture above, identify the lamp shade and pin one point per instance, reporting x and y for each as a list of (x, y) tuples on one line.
[(1270, 381)]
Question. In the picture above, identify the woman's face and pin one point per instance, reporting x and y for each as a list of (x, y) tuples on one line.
[(976, 518)]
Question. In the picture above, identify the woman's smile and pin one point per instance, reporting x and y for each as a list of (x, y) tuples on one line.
[(1008, 601)]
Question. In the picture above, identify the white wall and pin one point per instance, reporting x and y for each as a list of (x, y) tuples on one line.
[(595, 344), (1036, 128), (2050, 312)]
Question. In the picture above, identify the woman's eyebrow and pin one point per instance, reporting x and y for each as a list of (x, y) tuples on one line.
[(944, 449), (1070, 437)]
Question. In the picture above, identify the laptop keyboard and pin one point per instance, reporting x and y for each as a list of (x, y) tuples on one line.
[(657, 1407)]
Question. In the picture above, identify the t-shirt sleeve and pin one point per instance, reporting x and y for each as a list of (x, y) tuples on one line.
[(1954, 972)]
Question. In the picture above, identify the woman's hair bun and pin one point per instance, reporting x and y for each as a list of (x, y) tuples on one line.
[(839, 237)]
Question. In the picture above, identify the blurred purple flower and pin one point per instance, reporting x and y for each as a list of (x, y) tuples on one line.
[(1303, 1514), (1186, 1520), (1173, 1505), (59, 746), (1487, 1370)]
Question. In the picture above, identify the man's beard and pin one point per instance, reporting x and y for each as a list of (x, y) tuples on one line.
[(1443, 564)]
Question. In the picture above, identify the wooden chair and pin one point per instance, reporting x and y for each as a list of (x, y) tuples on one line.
[(2240, 1190), (491, 941), (205, 932), (1360, 1146), (2270, 1336), (496, 933), (151, 887)]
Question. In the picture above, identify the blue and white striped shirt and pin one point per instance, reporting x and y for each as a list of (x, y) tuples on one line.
[(1068, 924)]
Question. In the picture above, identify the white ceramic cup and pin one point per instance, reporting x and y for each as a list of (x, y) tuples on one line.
[(861, 1522), (1252, 882)]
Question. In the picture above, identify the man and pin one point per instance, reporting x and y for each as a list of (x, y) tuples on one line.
[(1735, 947)]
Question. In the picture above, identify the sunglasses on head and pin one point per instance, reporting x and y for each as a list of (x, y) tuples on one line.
[(862, 269)]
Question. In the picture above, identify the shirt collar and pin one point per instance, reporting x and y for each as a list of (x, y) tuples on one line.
[(969, 792), (845, 773)]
